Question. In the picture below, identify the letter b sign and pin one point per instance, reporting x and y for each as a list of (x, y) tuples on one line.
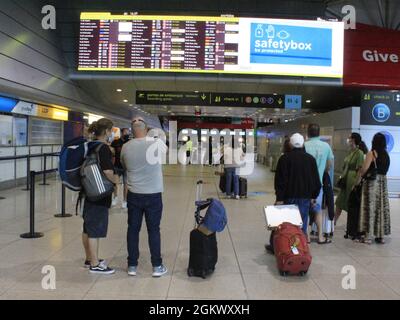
[(381, 112)]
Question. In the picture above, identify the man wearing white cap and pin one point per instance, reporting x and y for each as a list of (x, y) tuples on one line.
[(297, 179)]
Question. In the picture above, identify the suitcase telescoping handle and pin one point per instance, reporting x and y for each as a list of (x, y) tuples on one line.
[(199, 190)]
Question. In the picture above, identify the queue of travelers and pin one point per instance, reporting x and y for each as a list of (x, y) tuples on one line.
[(300, 179)]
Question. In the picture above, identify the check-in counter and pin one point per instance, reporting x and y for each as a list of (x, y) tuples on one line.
[(13, 172), (21, 163), (7, 167), (36, 162)]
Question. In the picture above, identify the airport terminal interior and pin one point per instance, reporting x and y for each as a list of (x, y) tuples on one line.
[(198, 73)]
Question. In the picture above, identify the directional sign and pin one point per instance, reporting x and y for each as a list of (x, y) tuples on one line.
[(380, 108), (210, 99), (292, 101)]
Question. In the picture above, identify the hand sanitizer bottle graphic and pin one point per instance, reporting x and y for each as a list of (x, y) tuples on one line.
[(259, 31), (271, 31)]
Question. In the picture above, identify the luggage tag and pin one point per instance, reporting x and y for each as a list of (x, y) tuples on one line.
[(295, 251)]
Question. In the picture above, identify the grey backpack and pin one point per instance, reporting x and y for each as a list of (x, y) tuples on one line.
[(95, 184)]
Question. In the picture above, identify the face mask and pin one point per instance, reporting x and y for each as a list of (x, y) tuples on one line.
[(349, 142), (111, 138)]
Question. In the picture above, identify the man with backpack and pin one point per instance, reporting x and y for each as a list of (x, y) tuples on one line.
[(95, 212), (145, 187)]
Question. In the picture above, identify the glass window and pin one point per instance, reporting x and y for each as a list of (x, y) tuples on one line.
[(20, 132)]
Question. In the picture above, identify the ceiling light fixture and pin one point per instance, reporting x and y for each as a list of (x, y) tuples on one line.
[(119, 90), (125, 100), (308, 101)]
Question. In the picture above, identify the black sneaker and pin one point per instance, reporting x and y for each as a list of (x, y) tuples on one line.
[(269, 249), (100, 269), (87, 263)]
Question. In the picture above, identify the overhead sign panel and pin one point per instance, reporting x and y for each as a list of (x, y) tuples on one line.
[(210, 99), (32, 109), (380, 108), (210, 45), (293, 101)]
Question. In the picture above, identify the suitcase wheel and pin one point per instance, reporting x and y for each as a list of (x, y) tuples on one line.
[(204, 274), (190, 272), (302, 273), (283, 273)]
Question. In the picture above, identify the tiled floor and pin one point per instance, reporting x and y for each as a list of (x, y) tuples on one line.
[(244, 270)]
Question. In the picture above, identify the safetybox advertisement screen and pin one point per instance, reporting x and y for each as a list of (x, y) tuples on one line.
[(210, 45)]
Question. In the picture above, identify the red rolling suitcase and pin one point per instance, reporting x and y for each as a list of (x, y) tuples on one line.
[(291, 250)]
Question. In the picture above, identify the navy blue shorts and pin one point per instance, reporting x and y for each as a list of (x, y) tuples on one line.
[(95, 220)]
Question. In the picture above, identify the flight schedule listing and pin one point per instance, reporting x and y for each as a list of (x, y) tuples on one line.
[(148, 43), (200, 44)]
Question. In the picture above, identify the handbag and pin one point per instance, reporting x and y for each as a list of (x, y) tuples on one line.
[(342, 181)]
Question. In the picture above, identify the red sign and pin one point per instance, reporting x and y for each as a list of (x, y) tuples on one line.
[(372, 57)]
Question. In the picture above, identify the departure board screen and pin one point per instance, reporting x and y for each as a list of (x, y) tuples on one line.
[(210, 44)]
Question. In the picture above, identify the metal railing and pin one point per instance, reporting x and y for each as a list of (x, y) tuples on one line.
[(28, 166), (32, 234)]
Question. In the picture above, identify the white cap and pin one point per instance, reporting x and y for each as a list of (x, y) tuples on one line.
[(297, 140)]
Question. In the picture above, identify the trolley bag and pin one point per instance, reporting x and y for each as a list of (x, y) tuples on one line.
[(222, 182), (242, 187), (291, 250), (203, 255)]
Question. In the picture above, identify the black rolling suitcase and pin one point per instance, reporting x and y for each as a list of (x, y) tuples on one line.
[(222, 183), (242, 187), (203, 254)]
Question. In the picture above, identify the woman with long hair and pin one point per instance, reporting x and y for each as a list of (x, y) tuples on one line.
[(375, 210), (352, 164)]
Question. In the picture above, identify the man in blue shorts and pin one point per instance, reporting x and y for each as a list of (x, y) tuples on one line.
[(323, 155)]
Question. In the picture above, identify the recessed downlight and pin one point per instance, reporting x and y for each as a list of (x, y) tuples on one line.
[(119, 90)]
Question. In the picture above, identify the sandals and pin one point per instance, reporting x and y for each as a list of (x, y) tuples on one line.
[(327, 240), (380, 240), (363, 240)]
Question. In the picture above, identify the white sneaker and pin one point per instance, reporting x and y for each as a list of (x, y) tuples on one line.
[(124, 204), (132, 270), (159, 271), (114, 201)]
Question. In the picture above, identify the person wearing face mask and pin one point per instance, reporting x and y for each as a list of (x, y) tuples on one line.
[(117, 145), (352, 164), (95, 213)]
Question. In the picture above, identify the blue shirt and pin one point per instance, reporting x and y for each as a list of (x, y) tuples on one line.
[(321, 151)]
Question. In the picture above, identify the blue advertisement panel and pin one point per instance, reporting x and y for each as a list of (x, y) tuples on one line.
[(290, 45), (7, 104)]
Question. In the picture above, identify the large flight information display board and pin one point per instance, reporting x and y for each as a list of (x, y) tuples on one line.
[(210, 44)]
